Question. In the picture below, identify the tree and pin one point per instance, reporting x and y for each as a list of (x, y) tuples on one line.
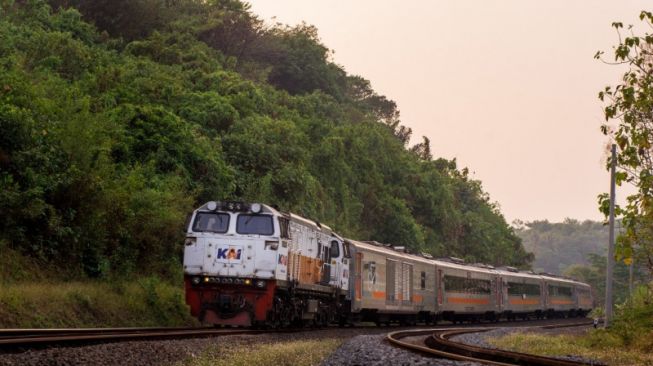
[(630, 107)]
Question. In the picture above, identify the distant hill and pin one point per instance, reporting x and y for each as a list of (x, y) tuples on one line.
[(559, 245)]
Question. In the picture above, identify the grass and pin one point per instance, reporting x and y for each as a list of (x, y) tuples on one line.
[(143, 302), (598, 345), (36, 295), (291, 353)]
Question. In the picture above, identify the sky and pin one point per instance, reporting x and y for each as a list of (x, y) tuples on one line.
[(506, 87)]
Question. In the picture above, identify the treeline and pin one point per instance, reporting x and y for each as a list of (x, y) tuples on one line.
[(558, 245), (578, 249), (119, 117)]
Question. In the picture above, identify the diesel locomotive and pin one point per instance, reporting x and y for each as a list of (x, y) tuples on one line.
[(249, 264)]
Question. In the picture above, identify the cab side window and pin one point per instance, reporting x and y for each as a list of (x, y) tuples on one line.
[(335, 249), (346, 249)]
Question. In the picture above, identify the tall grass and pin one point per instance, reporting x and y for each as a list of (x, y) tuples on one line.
[(144, 302), (290, 353)]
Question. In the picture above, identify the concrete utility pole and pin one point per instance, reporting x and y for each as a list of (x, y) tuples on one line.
[(608, 276), (630, 277)]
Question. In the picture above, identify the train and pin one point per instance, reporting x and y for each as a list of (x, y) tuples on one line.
[(253, 265)]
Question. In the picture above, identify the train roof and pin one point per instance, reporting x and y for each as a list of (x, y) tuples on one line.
[(519, 274), (307, 222), (383, 249), (463, 266), (553, 278), (244, 207)]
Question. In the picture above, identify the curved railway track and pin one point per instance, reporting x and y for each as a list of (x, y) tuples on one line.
[(18, 340), (438, 343)]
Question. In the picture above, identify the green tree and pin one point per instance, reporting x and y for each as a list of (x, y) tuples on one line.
[(113, 129), (630, 106)]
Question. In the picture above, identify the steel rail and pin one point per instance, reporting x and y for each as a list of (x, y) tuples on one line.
[(35, 332), (438, 343), (22, 339), (33, 341)]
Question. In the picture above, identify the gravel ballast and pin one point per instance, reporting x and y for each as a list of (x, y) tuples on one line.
[(375, 350), (362, 346), (169, 352)]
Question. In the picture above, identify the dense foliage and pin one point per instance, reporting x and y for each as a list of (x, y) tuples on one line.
[(629, 124), (578, 250), (630, 106), (558, 245), (118, 122), (594, 274)]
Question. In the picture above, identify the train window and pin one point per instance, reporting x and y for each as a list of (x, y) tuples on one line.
[(211, 222), (284, 228), (480, 286), (406, 281), (335, 249), (254, 224), (454, 284), (564, 291), (345, 249), (559, 291), (467, 285), (422, 282), (390, 280), (519, 289)]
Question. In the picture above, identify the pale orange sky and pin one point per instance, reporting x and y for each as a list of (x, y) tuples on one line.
[(508, 87)]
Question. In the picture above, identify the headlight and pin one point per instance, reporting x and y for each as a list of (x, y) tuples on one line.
[(248, 281), (256, 208), (196, 280), (260, 283), (190, 241), (274, 245)]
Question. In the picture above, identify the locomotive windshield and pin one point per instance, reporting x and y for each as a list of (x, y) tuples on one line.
[(211, 222), (254, 224)]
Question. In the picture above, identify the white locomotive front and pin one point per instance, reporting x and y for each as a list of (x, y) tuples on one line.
[(248, 264)]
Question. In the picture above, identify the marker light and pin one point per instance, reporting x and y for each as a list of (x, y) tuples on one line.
[(256, 207), (206, 279), (248, 281)]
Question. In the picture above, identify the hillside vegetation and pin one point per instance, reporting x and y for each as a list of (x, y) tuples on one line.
[(119, 117)]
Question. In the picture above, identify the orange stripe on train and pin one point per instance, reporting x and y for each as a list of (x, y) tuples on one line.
[(467, 300), (561, 302)]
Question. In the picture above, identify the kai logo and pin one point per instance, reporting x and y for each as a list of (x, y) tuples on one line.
[(231, 253)]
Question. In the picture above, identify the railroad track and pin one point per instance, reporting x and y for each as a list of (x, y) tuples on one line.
[(438, 343), (12, 340), (18, 340)]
